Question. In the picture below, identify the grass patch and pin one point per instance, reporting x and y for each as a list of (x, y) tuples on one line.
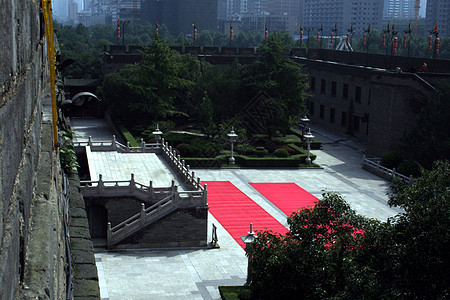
[(128, 136), (232, 292)]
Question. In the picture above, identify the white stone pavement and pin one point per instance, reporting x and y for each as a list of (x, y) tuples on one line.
[(196, 273)]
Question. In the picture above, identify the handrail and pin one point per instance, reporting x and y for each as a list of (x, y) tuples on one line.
[(168, 153), (375, 163)]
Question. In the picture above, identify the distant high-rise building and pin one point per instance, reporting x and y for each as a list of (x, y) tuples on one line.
[(438, 11), (178, 15), (344, 14), (73, 11), (399, 9)]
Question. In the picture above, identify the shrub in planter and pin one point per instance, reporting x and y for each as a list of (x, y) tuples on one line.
[(245, 149), (391, 159), (261, 151), (281, 152), (409, 167)]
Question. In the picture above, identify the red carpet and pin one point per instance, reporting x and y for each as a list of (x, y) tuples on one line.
[(288, 197), (235, 211)]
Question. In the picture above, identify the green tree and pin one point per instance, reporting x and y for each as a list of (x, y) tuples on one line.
[(419, 258), (333, 253), (281, 78)]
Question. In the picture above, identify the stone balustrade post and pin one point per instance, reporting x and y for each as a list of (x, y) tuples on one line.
[(113, 144), (128, 146), (150, 189), (143, 215), (132, 184), (90, 142), (101, 185), (142, 145), (205, 194), (108, 233), (410, 182), (198, 183)]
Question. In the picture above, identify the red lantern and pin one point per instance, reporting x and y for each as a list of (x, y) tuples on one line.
[(430, 41), (404, 41), (231, 34), (384, 40), (364, 39), (195, 34), (318, 36), (301, 36), (331, 40), (394, 50), (118, 32), (437, 45), (347, 38)]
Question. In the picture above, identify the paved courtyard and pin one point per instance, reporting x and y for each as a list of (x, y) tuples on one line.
[(196, 273)]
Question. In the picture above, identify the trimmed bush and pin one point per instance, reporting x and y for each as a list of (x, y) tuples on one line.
[(281, 152), (261, 151), (391, 159), (409, 167)]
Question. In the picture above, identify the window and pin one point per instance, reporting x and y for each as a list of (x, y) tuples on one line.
[(333, 88), (358, 94), (311, 108), (345, 91), (332, 115), (322, 86), (312, 87), (356, 121), (322, 111), (344, 119)]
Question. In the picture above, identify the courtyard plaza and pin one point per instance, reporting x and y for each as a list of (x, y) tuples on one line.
[(196, 273)]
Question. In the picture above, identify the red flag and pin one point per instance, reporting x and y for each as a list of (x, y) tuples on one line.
[(331, 39), (435, 28), (409, 27)]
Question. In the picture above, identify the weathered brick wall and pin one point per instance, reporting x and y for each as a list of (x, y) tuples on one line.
[(23, 77)]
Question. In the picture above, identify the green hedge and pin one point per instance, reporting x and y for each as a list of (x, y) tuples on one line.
[(205, 162)]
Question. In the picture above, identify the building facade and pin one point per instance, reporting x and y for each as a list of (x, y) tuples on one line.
[(438, 11), (399, 9), (179, 15), (345, 14)]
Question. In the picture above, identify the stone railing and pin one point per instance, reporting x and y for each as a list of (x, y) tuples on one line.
[(168, 200), (159, 147), (373, 165), (125, 188)]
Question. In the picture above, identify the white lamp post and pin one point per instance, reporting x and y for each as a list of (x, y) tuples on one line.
[(157, 133), (308, 137), (232, 136), (248, 239)]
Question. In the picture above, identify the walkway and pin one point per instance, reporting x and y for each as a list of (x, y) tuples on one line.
[(196, 274)]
